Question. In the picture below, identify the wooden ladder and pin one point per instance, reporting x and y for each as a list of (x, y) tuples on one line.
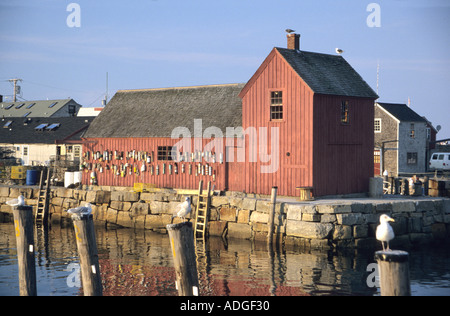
[(43, 201), (203, 205)]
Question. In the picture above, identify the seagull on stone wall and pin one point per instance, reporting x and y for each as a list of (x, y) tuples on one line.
[(183, 209), (20, 201), (290, 31), (385, 233), (82, 210)]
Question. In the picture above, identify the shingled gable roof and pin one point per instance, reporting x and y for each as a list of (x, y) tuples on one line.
[(402, 112), (326, 74), (23, 131), (156, 112), (47, 108)]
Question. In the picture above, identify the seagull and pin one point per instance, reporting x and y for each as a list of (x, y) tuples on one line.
[(183, 209), (385, 233), (290, 31), (339, 51), (20, 201), (82, 210)]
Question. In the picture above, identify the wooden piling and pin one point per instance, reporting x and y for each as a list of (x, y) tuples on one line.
[(183, 251), (397, 184), (394, 273), (405, 187), (426, 185), (24, 230), (273, 203), (87, 251)]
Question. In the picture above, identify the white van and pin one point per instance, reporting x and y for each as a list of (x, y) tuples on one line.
[(440, 161)]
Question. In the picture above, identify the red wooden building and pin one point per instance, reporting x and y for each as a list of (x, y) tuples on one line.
[(303, 120), (324, 112)]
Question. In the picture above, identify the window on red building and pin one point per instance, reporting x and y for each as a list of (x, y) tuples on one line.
[(276, 105)]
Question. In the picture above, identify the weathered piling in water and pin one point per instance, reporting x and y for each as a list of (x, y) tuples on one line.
[(24, 229), (183, 250), (88, 253), (394, 273), (273, 205)]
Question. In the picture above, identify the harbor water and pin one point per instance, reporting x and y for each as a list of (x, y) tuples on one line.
[(139, 263)]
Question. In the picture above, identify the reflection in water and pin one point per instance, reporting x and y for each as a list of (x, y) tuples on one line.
[(140, 263)]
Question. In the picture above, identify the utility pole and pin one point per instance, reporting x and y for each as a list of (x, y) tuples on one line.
[(16, 88)]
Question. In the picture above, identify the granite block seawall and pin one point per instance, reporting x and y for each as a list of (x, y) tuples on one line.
[(321, 224)]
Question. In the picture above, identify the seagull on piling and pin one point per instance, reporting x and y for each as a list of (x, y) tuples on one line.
[(385, 233), (82, 210), (20, 201), (183, 209)]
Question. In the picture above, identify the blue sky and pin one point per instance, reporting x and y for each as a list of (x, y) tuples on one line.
[(167, 43)]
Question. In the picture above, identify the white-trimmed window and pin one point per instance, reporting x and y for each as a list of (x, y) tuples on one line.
[(377, 125), (276, 105)]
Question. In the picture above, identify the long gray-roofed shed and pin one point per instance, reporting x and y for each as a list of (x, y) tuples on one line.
[(156, 112)]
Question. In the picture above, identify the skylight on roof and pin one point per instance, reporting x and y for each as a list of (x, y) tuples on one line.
[(41, 127), (52, 105), (31, 105), (8, 124), (53, 127), (20, 105), (9, 106), (27, 114)]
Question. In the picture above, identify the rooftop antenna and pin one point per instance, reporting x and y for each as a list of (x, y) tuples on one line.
[(107, 90), (105, 101), (16, 88)]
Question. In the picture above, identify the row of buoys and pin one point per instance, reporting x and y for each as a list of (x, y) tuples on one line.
[(128, 169), (197, 156)]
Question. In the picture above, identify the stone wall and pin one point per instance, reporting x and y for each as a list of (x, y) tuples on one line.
[(389, 127), (418, 145), (321, 224)]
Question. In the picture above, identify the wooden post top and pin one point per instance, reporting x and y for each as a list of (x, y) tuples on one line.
[(82, 217), (24, 208), (392, 256), (179, 226)]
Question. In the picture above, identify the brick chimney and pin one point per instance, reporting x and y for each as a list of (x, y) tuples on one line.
[(293, 41)]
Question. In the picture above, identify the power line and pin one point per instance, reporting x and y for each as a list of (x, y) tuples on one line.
[(52, 87)]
